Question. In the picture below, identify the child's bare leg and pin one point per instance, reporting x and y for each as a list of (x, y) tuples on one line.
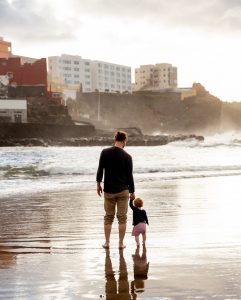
[(137, 241), (143, 239)]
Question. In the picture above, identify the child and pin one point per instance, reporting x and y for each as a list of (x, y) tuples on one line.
[(139, 220)]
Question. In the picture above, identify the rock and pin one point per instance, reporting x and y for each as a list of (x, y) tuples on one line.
[(96, 141)]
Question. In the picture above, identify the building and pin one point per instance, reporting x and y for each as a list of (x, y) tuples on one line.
[(69, 71), (13, 111), (72, 71), (155, 77), (108, 77), (5, 48), (28, 79)]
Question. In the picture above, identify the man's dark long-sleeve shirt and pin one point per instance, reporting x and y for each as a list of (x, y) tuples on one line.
[(116, 164), (139, 215)]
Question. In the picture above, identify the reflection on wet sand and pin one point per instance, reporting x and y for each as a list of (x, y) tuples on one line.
[(116, 289), (141, 267), (120, 289), (6, 259)]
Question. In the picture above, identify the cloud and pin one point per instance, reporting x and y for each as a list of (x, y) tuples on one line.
[(58, 20), (28, 20), (211, 14)]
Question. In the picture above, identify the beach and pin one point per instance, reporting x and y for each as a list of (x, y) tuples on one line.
[(50, 245)]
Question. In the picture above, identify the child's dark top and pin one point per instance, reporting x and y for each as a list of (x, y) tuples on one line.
[(139, 215)]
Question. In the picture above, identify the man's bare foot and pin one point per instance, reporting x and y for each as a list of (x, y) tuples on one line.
[(122, 246), (106, 246)]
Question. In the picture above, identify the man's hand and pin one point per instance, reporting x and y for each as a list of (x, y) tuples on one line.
[(132, 196), (99, 189)]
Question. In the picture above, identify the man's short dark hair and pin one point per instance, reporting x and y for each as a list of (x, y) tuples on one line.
[(120, 136)]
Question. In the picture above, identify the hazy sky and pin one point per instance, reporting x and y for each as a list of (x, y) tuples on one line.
[(201, 38)]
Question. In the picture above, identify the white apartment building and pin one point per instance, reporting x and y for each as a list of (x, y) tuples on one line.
[(155, 77), (72, 70), (111, 77)]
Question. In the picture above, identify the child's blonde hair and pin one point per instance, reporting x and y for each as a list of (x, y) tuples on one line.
[(138, 202)]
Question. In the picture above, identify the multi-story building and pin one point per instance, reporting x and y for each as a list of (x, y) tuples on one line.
[(155, 77), (71, 71), (108, 77), (28, 79), (5, 48)]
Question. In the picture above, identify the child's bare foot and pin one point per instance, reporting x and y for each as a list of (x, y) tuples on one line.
[(137, 245), (121, 246), (106, 246)]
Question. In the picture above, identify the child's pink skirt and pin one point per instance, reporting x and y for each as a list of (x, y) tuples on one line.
[(140, 228)]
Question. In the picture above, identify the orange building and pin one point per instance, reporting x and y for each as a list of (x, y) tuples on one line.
[(5, 48)]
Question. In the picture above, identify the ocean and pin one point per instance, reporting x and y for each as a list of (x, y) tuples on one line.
[(51, 224), (31, 170)]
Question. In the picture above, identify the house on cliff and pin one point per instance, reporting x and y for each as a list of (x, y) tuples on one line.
[(13, 111)]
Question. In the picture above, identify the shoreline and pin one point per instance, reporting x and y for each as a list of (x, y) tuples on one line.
[(145, 140)]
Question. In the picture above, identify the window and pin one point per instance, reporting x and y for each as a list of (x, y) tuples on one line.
[(76, 62), (76, 75), (87, 63), (66, 68), (76, 69), (66, 61), (87, 70)]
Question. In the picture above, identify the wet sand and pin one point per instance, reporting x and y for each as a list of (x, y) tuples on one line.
[(50, 245)]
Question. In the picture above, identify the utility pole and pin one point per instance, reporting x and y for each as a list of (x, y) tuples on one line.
[(98, 112)]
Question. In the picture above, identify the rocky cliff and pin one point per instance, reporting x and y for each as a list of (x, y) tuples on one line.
[(150, 111)]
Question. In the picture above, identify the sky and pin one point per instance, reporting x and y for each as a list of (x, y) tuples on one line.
[(201, 38)]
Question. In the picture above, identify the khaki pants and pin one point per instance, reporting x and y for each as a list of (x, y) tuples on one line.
[(113, 201)]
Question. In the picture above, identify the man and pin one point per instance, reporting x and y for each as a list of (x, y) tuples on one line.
[(116, 164)]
